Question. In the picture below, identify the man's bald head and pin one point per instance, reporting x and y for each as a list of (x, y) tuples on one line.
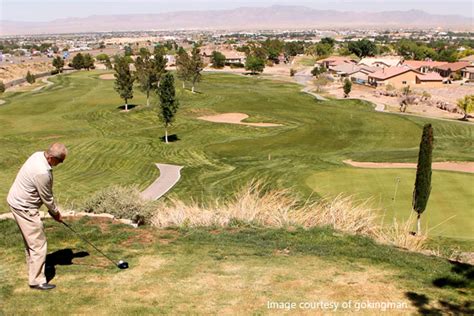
[(58, 151)]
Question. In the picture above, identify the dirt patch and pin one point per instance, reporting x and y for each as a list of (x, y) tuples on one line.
[(141, 236), (2, 102), (107, 77), (447, 166), (234, 118)]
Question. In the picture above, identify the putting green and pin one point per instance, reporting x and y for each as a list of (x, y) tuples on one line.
[(391, 190)]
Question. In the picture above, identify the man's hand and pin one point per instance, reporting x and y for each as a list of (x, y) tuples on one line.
[(57, 217)]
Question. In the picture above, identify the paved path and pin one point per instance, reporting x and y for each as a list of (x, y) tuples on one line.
[(304, 77), (169, 176)]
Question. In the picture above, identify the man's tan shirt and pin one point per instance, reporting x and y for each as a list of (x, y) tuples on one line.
[(33, 185)]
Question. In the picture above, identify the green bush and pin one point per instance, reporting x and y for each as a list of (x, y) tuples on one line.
[(122, 202)]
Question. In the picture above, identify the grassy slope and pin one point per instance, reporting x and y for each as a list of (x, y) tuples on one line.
[(107, 146), (235, 270)]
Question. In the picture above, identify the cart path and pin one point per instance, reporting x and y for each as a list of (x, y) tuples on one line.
[(45, 80), (460, 166), (169, 176)]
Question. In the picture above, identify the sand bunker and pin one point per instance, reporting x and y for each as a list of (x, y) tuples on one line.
[(2, 102), (107, 77), (234, 118), (448, 166)]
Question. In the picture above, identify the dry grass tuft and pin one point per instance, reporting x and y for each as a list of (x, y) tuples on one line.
[(277, 208)]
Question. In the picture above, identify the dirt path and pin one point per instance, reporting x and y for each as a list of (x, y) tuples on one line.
[(169, 176), (447, 166), (47, 84), (234, 118), (2, 102)]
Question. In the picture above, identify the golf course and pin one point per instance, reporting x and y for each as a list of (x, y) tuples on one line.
[(304, 152), (241, 268)]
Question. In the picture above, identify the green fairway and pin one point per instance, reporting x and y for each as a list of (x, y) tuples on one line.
[(111, 147), (450, 200)]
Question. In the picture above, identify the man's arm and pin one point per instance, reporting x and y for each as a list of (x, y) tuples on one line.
[(44, 185)]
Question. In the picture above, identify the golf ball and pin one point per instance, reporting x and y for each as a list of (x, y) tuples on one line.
[(120, 262)]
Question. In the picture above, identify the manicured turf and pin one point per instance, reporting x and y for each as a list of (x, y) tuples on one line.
[(111, 147), (451, 196)]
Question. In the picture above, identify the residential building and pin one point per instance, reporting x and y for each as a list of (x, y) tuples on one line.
[(423, 66), (468, 74), (431, 80), (469, 59), (396, 76), (334, 61), (452, 70)]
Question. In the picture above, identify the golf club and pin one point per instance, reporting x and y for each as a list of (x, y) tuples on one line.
[(121, 264)]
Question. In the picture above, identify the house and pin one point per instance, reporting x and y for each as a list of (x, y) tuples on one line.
[(423, 66), (343, 69), (334, 60), (381, 62), (396, 76), (452, 70), (231, 56), (431, 80), (362, 75), (469, 59), (468, 74)]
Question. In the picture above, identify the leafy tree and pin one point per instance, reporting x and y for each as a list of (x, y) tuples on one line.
[(2, 87), (128, 51), (273, 48), (217, 59), (328, 40), (102, 57), (196, 66), (182, 66), (159, 62), (88, 61), (168, 103), (78, 61), (422, 190), (254, 64), (123, 79), (318, 70), (347, 87), (293, 48), (362, 48), (146, 73), (30, 78), (58, 63), (466, 104)]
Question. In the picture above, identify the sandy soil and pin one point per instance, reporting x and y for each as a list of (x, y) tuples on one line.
[(448, 165), (391, 104), (9, 72), (2, 102), (234, 118), (107, 77)]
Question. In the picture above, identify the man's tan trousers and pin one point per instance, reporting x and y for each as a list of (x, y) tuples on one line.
[(31, 227)]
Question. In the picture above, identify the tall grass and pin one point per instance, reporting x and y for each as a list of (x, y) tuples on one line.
[(255, 204)]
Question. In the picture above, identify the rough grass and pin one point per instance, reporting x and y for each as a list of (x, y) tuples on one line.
[(110, 147), (226, 271)]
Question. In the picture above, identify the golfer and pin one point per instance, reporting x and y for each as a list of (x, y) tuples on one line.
[(32, 188)]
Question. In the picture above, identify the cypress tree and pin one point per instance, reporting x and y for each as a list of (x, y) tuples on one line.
[(30, 78), (422, 190), (168, 102)]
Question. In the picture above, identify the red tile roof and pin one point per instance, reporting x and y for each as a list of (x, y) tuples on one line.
[(390, 72), (417, 64), (454, 66), (431, 76)]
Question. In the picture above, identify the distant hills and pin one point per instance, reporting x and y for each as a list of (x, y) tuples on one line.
[(274, 17)]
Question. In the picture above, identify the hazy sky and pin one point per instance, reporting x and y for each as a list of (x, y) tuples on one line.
[(46, 10)]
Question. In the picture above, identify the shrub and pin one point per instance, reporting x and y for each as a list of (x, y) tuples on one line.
[(30, 78), (122, 202), (292, 72), (2, 87)]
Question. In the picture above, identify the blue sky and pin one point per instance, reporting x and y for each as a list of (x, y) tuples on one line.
[(46, 10)]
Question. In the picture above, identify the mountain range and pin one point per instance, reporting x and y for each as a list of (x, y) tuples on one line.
[(245, 18)]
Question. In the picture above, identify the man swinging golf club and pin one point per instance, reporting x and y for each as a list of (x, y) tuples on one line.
[(32, 188)]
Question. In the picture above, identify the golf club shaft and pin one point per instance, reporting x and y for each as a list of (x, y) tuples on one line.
[(84, 239)]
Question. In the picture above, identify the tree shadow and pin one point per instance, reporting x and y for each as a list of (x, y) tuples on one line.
[(461, 279), (171, 138), (61, 257), (130, 106)]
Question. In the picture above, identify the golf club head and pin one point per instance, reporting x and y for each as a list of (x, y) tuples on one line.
[(122, 265)]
